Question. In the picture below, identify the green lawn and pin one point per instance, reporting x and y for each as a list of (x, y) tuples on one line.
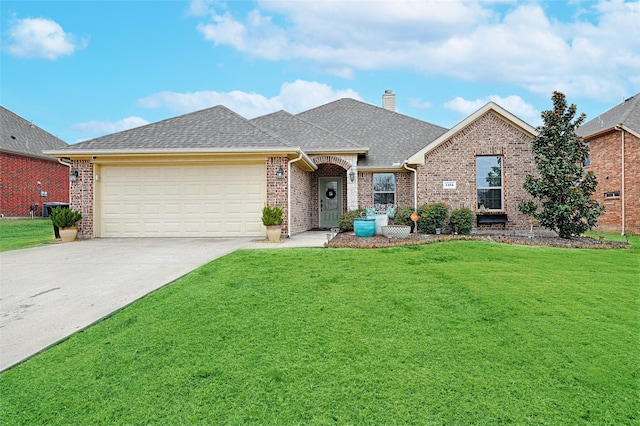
[(463, 332), (24, 233)]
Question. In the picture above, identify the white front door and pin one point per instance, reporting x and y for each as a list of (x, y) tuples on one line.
[(330, 201)]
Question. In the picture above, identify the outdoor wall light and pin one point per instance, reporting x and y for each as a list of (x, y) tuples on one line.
[(280, 173), (352, 175), (73, 176)]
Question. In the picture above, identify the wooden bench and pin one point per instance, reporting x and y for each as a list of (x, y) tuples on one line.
[(490, 219)]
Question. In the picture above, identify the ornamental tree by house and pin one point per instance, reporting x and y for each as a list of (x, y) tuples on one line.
[(563, 190)]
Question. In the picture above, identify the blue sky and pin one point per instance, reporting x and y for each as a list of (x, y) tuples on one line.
[(81, 69)]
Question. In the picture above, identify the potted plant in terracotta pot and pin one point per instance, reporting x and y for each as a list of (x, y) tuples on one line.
[(273, 218), (66, 220)]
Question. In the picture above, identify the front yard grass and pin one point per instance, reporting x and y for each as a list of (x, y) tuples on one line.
[(24, 233), (462, 332)]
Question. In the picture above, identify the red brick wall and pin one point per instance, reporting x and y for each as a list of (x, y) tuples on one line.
[(455, 160), (19, 177), (606, 154)]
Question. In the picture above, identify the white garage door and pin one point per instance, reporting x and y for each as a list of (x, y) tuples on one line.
[(182, 201)]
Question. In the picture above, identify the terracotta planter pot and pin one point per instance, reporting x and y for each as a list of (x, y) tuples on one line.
[(273, 233), (68, 235)]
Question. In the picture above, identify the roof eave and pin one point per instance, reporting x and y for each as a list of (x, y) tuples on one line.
[(44, 156), (307, 163), (615, 128), (364, 150)]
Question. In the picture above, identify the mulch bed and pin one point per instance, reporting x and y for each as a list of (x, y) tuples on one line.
[(349, 240)]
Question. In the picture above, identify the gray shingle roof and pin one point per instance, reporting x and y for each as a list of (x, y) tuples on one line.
[(391, 137), (213, 128), (19, 136), (627, 113), (301, 133)]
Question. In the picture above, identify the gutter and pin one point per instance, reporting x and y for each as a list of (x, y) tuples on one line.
[(415, 185), (300, 157), (622, 213), (64, 163)]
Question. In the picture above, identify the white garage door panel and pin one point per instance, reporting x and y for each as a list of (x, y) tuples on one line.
[(182, 201)]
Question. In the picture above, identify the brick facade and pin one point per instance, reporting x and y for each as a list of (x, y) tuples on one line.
[(301, 200), (606, 163), (404, 189), (81, 196), (277, 188), (22, 181), (455, 160)]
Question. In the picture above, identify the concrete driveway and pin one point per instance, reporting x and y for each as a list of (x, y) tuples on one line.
[(50, 292)]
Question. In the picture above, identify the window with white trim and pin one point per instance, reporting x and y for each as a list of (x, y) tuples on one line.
[(587, 161), (489, 183), (384, 189)]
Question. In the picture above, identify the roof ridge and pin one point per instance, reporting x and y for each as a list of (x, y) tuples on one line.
[(349, 141)]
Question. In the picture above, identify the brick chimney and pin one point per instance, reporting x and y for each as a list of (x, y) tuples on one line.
[(389, 100)]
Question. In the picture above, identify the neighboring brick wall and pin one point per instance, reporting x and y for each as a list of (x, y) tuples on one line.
[(455, 160), (404, 189), (19, 177), (606, 153), (301, 200), (81, 197)]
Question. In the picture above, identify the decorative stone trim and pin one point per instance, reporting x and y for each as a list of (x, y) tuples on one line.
[(332, 159)]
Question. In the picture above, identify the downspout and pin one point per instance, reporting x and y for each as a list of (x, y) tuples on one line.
[(415, 185), (622, 225), (289, 193)]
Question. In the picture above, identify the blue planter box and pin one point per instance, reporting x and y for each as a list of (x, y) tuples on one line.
[(364, 227)]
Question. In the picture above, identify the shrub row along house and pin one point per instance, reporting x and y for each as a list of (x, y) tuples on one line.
[(29, 179), (210, 172)]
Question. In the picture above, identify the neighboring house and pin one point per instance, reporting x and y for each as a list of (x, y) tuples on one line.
[(614, 144), (28, 177), (209, 173)]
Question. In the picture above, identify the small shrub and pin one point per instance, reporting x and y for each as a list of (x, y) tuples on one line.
[(272, 216), (65, 218), (462, 220), (403, 217), (346, 219), (432, 216)]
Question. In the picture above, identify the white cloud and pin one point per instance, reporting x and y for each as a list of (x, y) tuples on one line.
[(593, 55), (419, 103), (41, 38), (294, 97), (92, 128), (514, 104)]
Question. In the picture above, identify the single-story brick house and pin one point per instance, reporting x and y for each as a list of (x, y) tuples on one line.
[(614, 144), (210, 172), (28, 177)]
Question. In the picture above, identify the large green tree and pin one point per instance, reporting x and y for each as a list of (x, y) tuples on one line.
[(563, 190)]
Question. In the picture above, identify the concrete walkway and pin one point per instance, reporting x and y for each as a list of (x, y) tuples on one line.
[(48, 293)]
